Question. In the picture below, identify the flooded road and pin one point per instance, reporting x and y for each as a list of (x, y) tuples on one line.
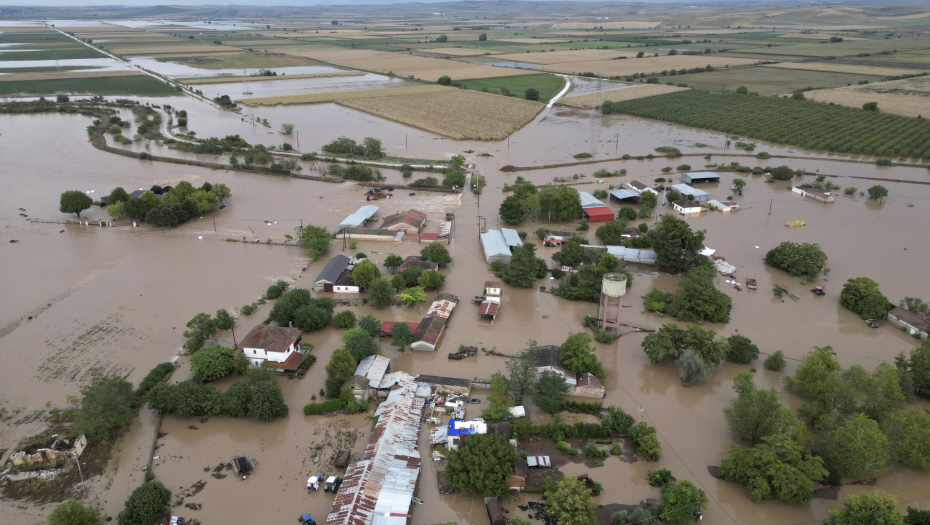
[(115, 300)]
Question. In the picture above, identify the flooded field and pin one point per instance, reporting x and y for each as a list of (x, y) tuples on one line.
[(115, 300)]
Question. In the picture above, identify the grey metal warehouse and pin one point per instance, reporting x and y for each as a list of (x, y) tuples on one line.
[(699, 176), (684, 189)]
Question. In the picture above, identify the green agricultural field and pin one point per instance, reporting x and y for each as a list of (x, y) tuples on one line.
[(30, 38), (44, 69), (769, 80), (548, 85), (802, 123), (131, 85), (846, 48), (52, 54)]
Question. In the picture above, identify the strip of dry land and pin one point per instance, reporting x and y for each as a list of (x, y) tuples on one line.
[(338, 96), (263, 78), (842, 68), (618, 95), (622, 68), (52, 75)]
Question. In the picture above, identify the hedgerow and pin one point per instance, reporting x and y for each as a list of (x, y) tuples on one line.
[(802, 123)]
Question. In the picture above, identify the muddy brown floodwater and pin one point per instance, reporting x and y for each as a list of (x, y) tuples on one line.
[(115, 300)]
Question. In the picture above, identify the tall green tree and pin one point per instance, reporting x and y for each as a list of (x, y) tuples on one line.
[(908, 434), (341, 363), (482, 462), (380, 293), (316, 239), (511, 210), (676, 246), (861, 295), (878, 193), (521, 383), (359, 344), (778, 465), (199, 330), (560, 203), (212, 362), (146, 504), (648, 199), (914, 372), (117, 195), (859, 448), (692, 369), (393, 262), (224, 321), (867, 508), (499, 400), (742, 349), (697, 299), (105, 407), (681, 502), (370, 324), (523, 266), (569, 502), (437, 253), (73, 512), (401, 335), (74, 201), (553, 389), (570, 253), (221, 192), (365, 272), (267, 401), (757, 413), (577, 354)]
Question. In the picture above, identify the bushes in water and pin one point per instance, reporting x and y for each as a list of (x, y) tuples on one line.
[(275, 290), (670, 151), (262, 400), (307, 313), (581, 407), (660, 477), (325, 406), (155, 376), (776, 361), (591, 450), (797, 259)]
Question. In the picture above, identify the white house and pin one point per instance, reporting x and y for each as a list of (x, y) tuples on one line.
[(278, 346), (685, 206)]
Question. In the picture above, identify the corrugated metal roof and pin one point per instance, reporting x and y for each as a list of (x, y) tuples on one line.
[(441, 308), (333, 269), (588, 200), (359, 217), (598, 213), (536, 461), (489, 308), (684, 189), (494, 243), (624, 194), (511, 237), (373, 368), (439, 435), (379, 488), (700, 175), (718, 204)]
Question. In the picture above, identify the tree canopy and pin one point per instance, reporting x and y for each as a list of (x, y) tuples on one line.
[(364, 272), (859, 448), (676, 246), (553, 389), (437, 253), (380, 293), (146, 504), (569, 502), (577, 355), (758, 413), (212, 362), (861, 295), (73, 512), (523, 268), (106, 405), (359, 344), (872, 508), (681, 502), (74, 201), (401, 335), (482, 462), (778, 465), (316, 239), (797, 259)]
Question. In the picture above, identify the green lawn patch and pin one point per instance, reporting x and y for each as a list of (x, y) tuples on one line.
[(769, 80), (131, 85), (548, 85), (38, 38), (43, 69), (53, 54), (802, 123)]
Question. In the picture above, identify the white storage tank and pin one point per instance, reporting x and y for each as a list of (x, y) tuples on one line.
[(614, 285)]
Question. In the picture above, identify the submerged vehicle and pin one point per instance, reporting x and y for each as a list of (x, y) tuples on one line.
[(332, 484), (314, 482), (818, 290), (305, 519)]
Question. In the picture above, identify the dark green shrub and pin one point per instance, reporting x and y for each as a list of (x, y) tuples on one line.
[(325, 406)]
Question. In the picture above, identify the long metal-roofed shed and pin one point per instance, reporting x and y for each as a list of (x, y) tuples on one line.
[(360, 217), (684, 189), (593, 209), (699, 176), (331, 273), (511, 237), (495, 246), (621, 195), (588, 200)]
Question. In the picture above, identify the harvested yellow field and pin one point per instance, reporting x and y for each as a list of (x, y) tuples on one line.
[(618, 95), (818, 36), (628, 24), (52, 75), (406, 65), (842, 68), (160, 49), (917, 16), (562, 57), (456, 51), (338, 96), (622, 68), (909, 97), (455, 113), (262, 78)]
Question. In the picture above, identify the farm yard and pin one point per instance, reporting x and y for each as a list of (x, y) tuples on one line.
[(454, 113)]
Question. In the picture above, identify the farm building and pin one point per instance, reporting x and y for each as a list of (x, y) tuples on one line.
[(360, 217), (630, 255), (699, 176), (387, 326), (448, 384), (411, 221), (426, 238), (379, 488), (491, 302), (639, 187), (593, 209), (725, 206), (344, 284), (495, 246), (913, 323), (684, 206), (358, 385), (277, 346), (373, 368), (331, 273), (623, 194), (511, 237), (684, 189), (583, 385), (811, 193), (427, 335), (556, 237)]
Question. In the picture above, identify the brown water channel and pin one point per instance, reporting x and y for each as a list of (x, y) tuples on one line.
[(115, 300)]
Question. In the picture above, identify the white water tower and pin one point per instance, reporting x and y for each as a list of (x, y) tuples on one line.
[(613, 287)]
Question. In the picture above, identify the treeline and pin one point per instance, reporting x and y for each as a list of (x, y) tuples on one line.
[(559, 203), (370, 148), (167, 206), (259, 397), (801, 123)]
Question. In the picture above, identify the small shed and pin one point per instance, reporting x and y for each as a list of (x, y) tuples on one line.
[(684, 206), (494, 288), (811, 193), (598, 214), (538, 461), (699, 176), (331, 273), (360, 217), (909, 321), (242, 465), (495, 514), (639, 187), (359, 387), (342, 459), (426, 238)]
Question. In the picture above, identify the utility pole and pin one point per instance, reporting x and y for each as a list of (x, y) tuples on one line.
[(639, 409), (78, 461), (298, 141), (214, 224), (770, 206), (617, 145), (405, 141)]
